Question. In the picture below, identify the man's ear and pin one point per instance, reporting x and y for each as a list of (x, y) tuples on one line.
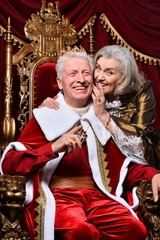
[(59, 82)]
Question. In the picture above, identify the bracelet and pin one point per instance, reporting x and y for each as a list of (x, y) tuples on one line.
[(107, 121)]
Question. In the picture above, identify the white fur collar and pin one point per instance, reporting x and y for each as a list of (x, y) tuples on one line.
[(54, 123)]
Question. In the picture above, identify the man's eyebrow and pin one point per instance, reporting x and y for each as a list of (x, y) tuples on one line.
[(75, 70), (87, 69), (71, 70)]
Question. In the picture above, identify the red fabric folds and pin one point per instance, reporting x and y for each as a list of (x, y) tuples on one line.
[(138, 22), (89, 214)]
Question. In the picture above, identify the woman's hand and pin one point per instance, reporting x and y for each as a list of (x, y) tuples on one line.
[(156, 186), (67, 142), (50, 103), (99, 104)]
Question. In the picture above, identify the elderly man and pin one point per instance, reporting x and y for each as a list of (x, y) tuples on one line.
[(75, 172)]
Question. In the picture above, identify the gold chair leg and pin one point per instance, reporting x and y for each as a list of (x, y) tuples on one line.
[(12, 195), (150, 210)]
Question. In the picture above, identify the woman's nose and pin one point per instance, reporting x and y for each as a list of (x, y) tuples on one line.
[(101, 76)]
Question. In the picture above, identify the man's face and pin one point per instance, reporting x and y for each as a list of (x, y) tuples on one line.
[(76, 82)]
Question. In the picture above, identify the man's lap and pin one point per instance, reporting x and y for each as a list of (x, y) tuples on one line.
[(75, 207)]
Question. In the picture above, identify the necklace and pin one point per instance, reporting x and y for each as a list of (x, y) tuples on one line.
[(82, 134)]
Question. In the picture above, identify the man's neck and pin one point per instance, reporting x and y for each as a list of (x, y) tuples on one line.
[(81, 111)]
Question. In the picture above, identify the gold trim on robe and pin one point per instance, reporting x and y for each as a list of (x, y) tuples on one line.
[(40, 209), (103, 165)]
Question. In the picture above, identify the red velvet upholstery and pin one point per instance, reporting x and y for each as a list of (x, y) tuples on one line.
[(45, 82)]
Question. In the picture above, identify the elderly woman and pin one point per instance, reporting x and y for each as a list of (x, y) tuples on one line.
[(124, 101), (129, 99)]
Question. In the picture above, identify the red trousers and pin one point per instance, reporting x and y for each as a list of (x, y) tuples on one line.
[(90, 215)]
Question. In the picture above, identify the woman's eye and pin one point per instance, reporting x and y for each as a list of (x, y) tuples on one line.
[(97, 68), (109, 73)]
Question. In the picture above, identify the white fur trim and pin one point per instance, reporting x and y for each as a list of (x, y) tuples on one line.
[(123, 173), (29, 186), (54, 123), (50, 204), (101, 132), (16, 145), (92, 151), (135, 199)]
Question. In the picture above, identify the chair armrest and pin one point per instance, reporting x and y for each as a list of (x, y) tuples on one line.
[(12, 196), (150, 210)]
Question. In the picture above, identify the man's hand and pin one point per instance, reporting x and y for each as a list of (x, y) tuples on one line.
[(67, 142), (156, 186)]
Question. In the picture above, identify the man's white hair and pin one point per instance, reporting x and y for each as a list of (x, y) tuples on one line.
[(69, 55)]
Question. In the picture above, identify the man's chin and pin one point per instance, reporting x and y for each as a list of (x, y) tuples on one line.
[(81, 102)]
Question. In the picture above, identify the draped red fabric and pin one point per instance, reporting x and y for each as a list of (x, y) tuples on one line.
[(19, 11), (137, 22)]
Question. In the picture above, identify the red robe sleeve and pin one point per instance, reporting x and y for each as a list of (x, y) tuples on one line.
[(138, 172), (38, 152)]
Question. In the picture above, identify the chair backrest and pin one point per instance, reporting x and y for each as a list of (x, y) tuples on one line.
[(45, 82), (48, 34)]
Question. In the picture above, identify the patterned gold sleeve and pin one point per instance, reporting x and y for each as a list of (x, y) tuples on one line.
[(137, 112), (137, 115)]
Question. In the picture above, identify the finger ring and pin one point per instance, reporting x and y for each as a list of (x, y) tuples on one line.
[(70, 144), (99, 99)]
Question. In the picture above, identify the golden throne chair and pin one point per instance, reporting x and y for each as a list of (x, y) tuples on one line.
[(49, 34)]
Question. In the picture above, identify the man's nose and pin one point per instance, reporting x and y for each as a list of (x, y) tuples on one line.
[(81, 77)]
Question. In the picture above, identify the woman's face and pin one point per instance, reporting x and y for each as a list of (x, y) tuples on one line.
[(106, 74)]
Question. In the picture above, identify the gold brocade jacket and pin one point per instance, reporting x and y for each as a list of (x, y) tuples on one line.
[(137, 115)]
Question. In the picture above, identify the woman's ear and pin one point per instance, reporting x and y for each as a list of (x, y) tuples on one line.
[(59, 82)]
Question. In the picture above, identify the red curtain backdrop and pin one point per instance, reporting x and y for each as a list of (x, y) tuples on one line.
[(137, 22)]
